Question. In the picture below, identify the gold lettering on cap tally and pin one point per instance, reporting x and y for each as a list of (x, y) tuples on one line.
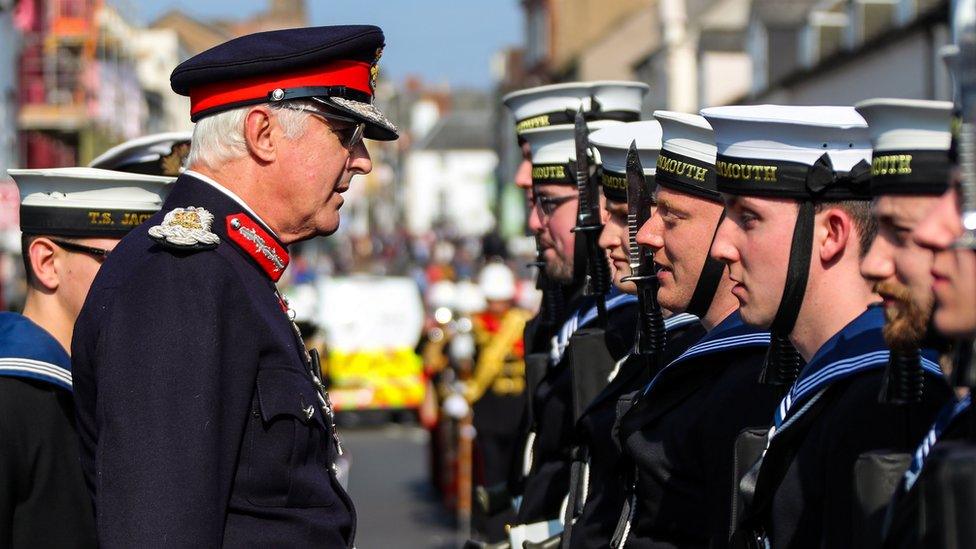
[(891, 164), (540, 121), (100, 218), (614, 181), (132, 219), (549, 172), (745, 172), (679, 168)]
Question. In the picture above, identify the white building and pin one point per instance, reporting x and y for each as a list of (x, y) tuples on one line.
[(449, 177)]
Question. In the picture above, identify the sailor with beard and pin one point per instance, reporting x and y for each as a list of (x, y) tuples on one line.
[(598, 503), (921, 130), (547, 461), (910, 170), (795, 183)]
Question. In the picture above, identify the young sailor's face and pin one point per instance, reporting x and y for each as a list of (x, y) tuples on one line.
[(953, 269), (615, 239), (679, 232), (754, 240)]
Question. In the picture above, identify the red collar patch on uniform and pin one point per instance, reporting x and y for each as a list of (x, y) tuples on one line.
[(256, 242)]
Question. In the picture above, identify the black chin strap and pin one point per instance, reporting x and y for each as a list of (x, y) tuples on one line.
[(708, 281), (783, 362)]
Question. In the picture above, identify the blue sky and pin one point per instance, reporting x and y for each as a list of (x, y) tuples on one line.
[(442, 41)]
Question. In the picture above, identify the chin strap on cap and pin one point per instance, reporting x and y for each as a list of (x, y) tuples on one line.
[(708, 281), (783, 362)]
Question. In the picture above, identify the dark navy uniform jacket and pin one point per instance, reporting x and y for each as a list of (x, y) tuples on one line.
[(547, 484), (829, 418), (43, 500), (680, 434), (607, 486), (908, 522), (199, 423)]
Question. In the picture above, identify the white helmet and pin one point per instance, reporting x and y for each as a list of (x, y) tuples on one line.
[(497, 282), (442, 293), (469, 298)]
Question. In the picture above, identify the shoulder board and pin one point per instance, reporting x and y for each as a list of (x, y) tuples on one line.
[(186, 229)]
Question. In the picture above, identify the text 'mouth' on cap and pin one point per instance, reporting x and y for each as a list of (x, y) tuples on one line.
[(687, 159), (911, 139), (554, 151), (803, 153), (333, 65)]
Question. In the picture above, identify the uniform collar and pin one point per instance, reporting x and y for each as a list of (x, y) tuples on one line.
[(234, 221), (233, 196), (861, 335), (29, 351)]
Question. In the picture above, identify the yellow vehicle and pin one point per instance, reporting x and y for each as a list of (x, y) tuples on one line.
[(372, 326)]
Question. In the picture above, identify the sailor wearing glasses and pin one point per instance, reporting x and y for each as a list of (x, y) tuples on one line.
[(71, 219), (202, 418)]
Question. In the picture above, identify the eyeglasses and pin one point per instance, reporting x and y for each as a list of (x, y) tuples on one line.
[(547, 206), (349, 136), (100, 254)]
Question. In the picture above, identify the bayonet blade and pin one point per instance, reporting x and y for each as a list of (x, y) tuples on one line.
[(581, 135), (638, 207)]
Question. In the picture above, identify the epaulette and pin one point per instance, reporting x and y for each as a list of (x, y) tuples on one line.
[(186, 229)]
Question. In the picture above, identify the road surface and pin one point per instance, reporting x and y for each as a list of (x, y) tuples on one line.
[(396, 504)]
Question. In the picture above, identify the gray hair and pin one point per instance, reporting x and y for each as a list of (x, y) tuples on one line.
[(219, 138)]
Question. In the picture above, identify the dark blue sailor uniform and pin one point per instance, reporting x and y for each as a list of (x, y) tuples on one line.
[(200, 422), (804, 490), (680, 435), (606, 486), (547, 482), (43, 500), (908, 522)]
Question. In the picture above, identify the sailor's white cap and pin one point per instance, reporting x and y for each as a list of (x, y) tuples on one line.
[(556, 146), (156, 154), (687, 160), (769, 150), (86, 201), (556, 104), (911, 141), (613, 143)]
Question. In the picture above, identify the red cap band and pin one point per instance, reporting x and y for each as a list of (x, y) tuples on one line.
[(352, 74)]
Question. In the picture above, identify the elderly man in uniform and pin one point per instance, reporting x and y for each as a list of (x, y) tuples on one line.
[(795, 182), (202, 417), (71, 219)]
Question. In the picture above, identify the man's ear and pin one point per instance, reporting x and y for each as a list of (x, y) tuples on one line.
[(259, 134), (836, 229), (43, 262)]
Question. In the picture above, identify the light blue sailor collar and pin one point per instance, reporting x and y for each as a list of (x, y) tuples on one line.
[(584, 315), (858, 347), (28, 351), (731, 333)]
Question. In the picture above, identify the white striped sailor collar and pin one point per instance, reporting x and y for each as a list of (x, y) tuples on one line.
[(671, 323), (858, 347), (584, 314), (28, 351), (731, 333)]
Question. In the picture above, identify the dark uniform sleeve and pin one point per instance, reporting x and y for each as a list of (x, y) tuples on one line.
[(43, 501), (175, 371)]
